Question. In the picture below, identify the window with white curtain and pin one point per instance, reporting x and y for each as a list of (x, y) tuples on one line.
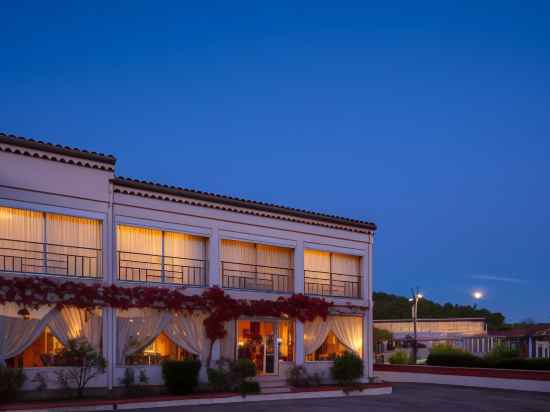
[(248, 265), (326, 339), (37, 242), (152, 255), (332, 274), (35, 340)]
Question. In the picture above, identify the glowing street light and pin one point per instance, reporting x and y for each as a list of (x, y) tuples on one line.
[(416, 296)]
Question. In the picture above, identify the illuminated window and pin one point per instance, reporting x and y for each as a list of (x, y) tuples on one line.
[(150, 255), (286, 340), (162, 348), (36, 242), (40, 354), (330, 349)]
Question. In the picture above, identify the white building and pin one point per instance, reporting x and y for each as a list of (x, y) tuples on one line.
[(65, 216)]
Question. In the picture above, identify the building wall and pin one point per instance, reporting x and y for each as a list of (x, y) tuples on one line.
[(50, 186)]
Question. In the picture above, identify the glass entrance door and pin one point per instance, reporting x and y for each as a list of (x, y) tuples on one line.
[(257, 341)]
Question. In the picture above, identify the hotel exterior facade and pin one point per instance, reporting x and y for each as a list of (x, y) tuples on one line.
[(66, 216)]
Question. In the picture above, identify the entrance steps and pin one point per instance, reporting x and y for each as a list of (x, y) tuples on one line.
[(273, 384)]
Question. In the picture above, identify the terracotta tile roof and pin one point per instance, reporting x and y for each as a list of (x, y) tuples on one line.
[(107, 162), (529, 330), (238, 202), (56, 148)]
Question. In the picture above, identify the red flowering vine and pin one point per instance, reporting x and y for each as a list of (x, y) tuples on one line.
[(33, 292)]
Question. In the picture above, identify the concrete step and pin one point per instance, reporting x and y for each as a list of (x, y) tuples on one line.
[(279, 389), (272, 384)]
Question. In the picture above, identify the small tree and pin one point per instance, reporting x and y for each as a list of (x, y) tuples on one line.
[(83, 363)]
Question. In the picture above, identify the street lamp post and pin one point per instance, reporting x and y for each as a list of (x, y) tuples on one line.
[(416, 296)]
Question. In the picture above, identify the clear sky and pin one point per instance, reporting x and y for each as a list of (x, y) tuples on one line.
[(431, 119)]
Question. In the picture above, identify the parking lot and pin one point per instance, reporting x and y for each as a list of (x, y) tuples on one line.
[(405, 397)]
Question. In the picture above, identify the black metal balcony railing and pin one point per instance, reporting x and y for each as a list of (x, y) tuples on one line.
[(19, 256), (244, 276), (143, 267), (332, 284)]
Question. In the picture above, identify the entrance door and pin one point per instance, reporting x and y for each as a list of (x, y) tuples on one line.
[(257, 341)]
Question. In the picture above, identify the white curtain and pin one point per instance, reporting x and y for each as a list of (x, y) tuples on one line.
[(184, 257), (16, 333), (240, 260), (349, 331), (72, 245), (346, 264), (187, 331), (181, 245), (317, 261), (17, 227), (277, 262), (139, 253), (72, 323), (315, 334), (137, 328), (238, 252), (228, 342)]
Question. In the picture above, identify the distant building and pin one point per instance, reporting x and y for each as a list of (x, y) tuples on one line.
[(453, 331)]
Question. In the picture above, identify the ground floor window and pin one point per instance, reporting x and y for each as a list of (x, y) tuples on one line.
[(286, 340), (329, 350), (162, 348), (40, 353)]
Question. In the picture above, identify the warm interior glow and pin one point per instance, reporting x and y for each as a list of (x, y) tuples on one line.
[(330, 349), (162, 348), (40, 354)]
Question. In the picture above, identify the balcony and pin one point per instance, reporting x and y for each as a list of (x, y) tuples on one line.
[(17, 256), (142, 267), (332, 284), (254, 277)]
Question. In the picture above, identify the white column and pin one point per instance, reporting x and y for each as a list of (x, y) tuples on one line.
[(299, 344), (299, 288), (109, 344), (299, 267), (109, 277), (367, 276), (214, 259), (214, 279)]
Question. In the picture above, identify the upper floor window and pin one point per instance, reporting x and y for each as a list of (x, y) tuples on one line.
[(150, 255), (247, 265), (332, 274), (46, 243)]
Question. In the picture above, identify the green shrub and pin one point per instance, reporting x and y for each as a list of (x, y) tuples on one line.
[(217, 380), (242, 369), (11, 380), (229, 376), (399, 357), (181, 377), (299, 377), (248, 387), (501, 352), (455, 359), (445, 348), (520, 363), (347, 369)]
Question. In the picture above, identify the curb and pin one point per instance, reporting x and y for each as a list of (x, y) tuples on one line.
[(382, 390)]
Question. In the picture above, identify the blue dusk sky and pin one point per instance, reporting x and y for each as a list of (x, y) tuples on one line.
[(431, 119)]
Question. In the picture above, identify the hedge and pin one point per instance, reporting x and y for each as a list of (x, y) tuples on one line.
[(465, 359)]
